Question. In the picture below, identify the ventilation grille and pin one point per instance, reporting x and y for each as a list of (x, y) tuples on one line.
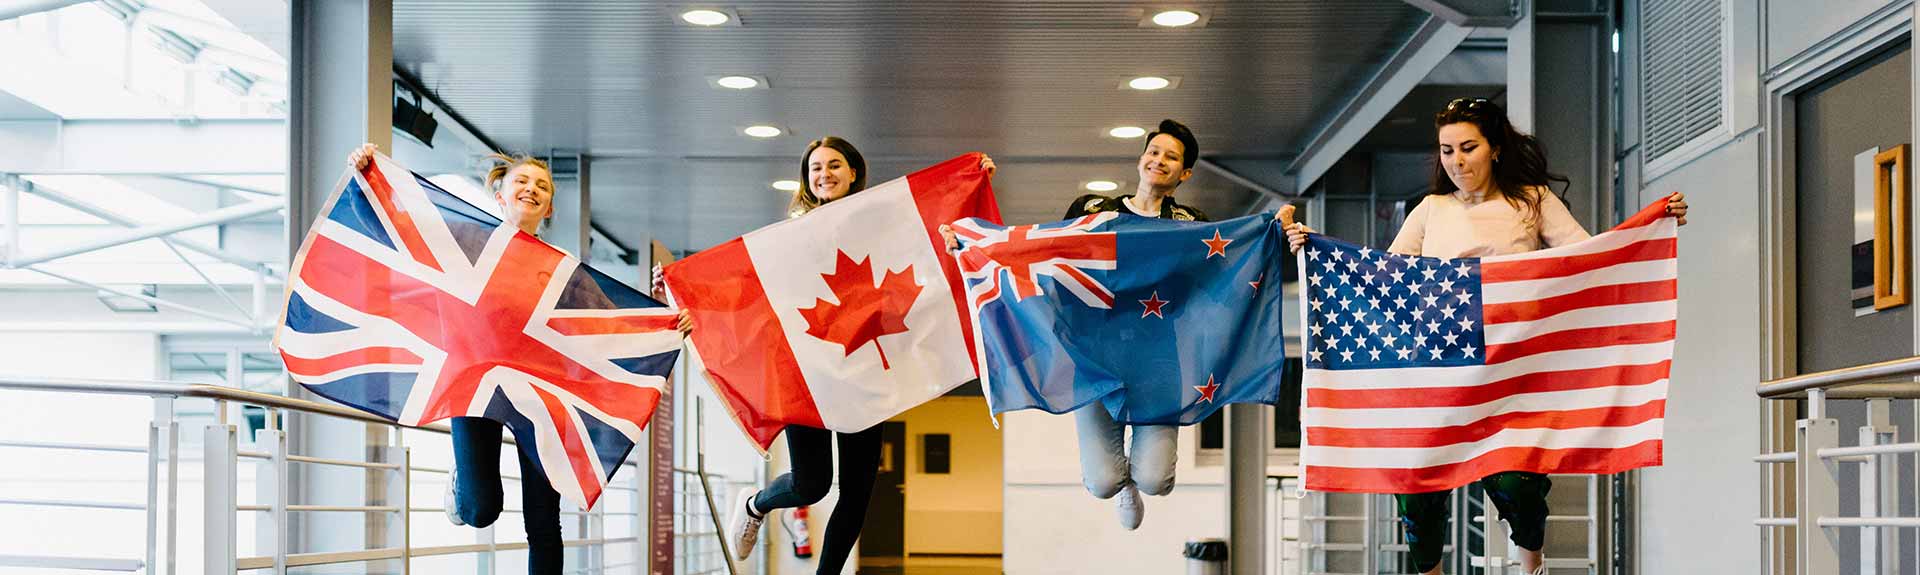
[(1683, 94)]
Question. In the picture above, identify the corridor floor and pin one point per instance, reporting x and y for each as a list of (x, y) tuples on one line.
[(930, 566)]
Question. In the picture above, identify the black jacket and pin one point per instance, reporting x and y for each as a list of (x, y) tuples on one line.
[(1096, 203)]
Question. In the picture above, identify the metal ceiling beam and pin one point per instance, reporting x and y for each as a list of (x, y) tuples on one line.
[(219, 216), (1284, 192), (1429, 45), (17, 8), (263, 21), (90, 209), (1471, 13), (144, 147)]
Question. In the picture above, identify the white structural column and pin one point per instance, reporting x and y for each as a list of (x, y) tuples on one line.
[(1559, 88), (1246, 490), (10, 225), (341, 95)]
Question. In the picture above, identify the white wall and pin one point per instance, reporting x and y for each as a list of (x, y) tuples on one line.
[(1053, 526), (1713, 417), (1712, 414)]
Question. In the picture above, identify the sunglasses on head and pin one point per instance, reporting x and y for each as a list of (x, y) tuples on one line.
[(1467, 103)]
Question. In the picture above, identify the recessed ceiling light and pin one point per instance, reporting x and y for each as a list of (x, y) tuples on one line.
[(762, 131), (787, 185), (1176, 18), (1127, 132), (705, 17), (1102, 186), (737, 82), (1149, 83)]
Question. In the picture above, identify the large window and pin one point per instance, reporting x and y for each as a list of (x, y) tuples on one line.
[(145, 173)]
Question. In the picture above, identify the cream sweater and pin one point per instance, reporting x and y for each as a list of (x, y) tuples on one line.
[(1444, 227)]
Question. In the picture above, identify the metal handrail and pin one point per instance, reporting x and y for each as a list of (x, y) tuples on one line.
[(1870, 373), (1816, 495), (165, 391), (196, 390)]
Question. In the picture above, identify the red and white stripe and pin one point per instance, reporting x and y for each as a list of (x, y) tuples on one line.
[(1579, 346)]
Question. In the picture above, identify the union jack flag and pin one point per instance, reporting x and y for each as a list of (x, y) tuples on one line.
[(1027, 253), (409, 303)]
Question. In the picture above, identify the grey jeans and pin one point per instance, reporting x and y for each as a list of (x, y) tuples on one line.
[(1104, 464)]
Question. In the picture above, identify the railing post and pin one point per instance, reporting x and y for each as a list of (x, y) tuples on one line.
[(165, 407), (1879, 546), (153, 489), (1495, 540), (1818, 493), (221, 450), (400, 494), (276, 440), (1369, 542), (642, 517)]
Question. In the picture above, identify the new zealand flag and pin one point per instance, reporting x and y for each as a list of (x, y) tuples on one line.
[(1162, 321)]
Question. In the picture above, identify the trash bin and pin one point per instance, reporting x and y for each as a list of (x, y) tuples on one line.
[(1207, 557)]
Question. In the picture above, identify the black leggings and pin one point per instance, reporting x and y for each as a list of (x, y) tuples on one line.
[(476, 453), (811, 451), (1521, 498)]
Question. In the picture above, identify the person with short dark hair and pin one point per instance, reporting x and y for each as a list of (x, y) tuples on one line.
[(1106, 467)]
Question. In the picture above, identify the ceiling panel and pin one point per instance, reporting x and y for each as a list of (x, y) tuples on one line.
[(1033, 83)]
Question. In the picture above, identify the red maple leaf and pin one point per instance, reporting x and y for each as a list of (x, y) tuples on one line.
[(866, 311)]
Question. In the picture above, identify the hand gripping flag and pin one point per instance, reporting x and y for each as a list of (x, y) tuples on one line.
[(841, 318), (411, 304), (1162, 321), (1425, 374)]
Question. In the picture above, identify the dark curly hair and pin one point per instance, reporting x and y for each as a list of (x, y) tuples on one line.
[(1520, 164)]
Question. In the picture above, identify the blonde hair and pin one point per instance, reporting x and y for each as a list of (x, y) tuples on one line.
[(503, 163)]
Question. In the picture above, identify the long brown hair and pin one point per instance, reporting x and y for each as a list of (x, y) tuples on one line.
[(1519, 165), (804, 200)]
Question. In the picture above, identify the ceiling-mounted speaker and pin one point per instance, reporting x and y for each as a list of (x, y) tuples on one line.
[(411, 119)]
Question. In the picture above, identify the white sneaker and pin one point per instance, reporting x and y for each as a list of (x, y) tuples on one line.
[(1542, 569), (450, 502), (743, 528), (1129, 507)]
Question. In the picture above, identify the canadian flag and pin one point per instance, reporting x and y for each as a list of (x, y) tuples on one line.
[(845, 317)]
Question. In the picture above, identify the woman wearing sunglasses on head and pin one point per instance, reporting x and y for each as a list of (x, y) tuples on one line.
[(1489, 197)]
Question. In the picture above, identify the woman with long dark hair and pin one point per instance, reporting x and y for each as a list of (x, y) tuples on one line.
[(831, 170), (1491, 196)]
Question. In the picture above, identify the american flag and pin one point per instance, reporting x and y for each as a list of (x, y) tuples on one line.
[(411, 304), (1424, 374)]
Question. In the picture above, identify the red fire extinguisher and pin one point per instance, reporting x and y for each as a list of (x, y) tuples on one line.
[(797, 531)]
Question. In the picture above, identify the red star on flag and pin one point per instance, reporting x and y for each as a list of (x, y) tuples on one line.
[(1256, 281), (1216, 246), (1206, 391), (1153, 303)]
